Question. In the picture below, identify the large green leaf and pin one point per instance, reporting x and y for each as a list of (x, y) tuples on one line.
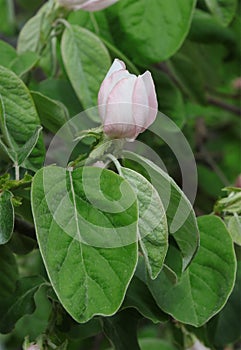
[(86, 61), (180, 214), (6, 216), (86, 223), (53, 114), (20, 303), (152, 223), (19, 119), (155, 344), (24, 62), (223, 10), (206, 285), (19, 64), (151, 31), (36, 31), (8, 273), (8, 54)]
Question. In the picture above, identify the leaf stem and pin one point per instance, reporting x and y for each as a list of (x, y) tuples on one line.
[(17, 176), (116, 162), (226, 106)]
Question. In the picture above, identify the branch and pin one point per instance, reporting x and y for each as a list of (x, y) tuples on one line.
[(226, 106)]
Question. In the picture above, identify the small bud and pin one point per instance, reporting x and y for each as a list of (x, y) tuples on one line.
[(87, 5), (238, 181), (127, 103)]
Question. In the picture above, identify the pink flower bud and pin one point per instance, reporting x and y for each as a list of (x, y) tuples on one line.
[(87, 5), (127, 103)]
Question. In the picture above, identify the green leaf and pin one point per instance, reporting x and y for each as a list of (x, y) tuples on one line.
[(139, 297), (205, 286), (21, 244), (19, 119), (36, 31), (170, 100), (205, 29), (28, 147), (132, 24), (53, 114), (86, 223), (29, 36), (7, 23), (20, 303), (8, 273), (180, 214), (225, 328), (234, 227), (223, 10), (36, 323), (24, 62), (121, 329), (192, 84), (61, 90), (8, 54), (6, 216), (155, 344), (152, 223), (96, 22), (86, 62)]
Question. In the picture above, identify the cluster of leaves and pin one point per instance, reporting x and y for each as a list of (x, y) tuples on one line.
[(57, 288)]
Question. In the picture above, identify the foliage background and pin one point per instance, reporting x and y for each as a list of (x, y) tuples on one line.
[(194, 56)]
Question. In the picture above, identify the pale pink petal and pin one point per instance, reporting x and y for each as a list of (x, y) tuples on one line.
[(96, 5), (151, 93), (106, 87), (116, 73), (72, 4), (118, 121), (140, 105), (116, 66)]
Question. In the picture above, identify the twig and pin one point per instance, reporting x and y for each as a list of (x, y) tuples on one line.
[(226, 106)]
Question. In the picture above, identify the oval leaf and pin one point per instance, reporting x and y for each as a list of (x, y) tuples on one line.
[(86, 62), (152, 223), (88, 243), (20, 120), (181, 218), (53, 114), (133, 23), (206, 285)]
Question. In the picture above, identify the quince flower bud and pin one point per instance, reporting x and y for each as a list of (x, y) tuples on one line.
[(127, 103)]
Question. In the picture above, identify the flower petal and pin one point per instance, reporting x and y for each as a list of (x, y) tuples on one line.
[(119, 120), (96, 5)]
